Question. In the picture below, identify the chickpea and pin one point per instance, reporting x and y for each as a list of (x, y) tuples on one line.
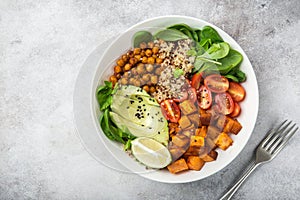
[(154, 80), (158, 70), (150, 45), (137, 83), (143, 45), (154, 56), (136, 51), (130, 54), (152, 89), (138, 57), (126, 74), (159, 60), (124, 81), (144, 60), (148, 52), (113, 79), (132, 61), (134, 71), (127, 67), (140, 68), (142, 53), (117, 69), (155, 50), (146, 77), (146, 88), (151, 60), (131, 80), (118, 76), (149, 68), (125, 58), (121, 62)]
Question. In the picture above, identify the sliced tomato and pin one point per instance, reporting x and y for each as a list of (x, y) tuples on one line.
[(236, 111), (225, 103), (216, 83), (236, 91), (204, 97), (170, 110), (192, 95), (196, 80)]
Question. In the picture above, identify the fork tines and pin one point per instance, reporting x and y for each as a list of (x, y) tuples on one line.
[(278, 137)]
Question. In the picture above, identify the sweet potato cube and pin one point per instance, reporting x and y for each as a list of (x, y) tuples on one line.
[(205, 119), (195, 119), (222, 121), (188, 132), (228, 126), (187, 107), (201, 131), (211, 156), (178, 166), (223, 141), (212, 132), (195, 162), (201, 111), (196, 141), (184, 122), (236, 127), (176, 153), (195, 151), (180, 140), (210, 144)]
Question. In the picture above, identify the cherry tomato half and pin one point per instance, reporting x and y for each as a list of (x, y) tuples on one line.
[(196, 80), (216, 83), (236, 111), (170, 110), (236, 91), (225, 103), (182, 96), (204, 97), (192, 95)]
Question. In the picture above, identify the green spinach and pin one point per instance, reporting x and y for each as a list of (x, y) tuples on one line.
[(141, 36), (170, 35)]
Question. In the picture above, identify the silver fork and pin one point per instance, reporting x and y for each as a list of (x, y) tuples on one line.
[(267, 150)]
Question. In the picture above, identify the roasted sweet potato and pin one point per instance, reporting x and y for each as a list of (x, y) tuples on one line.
[(180, 140), (196, 141), (210, 144), (195, 151), (178, 166), (223, 141), (187, 107), (176, 152), (213, 132), (236, 127), (201, 131), (184, 122), (195, 162), (211, 156), (228, 126), (205, 118), (195, 119)]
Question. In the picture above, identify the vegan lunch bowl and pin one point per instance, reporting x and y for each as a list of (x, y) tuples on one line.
[(175, 98)]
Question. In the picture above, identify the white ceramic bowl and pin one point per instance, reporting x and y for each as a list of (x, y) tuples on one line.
[(86, 106)]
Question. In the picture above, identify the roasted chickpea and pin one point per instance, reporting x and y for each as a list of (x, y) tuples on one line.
[(130, 54), (155, 50), (146, 77), (131, 80), (154, 56), (159, 60), (151, 60), (150, 45), (127, 67), (136, 51), (154, 80), (126, 74), (124, 81), (149, 68), (152, 89), (140, 68), (146, 88), (113, 79), (158, 70), (132, 61), (117, 69), (143, 45), (125, 58), (137, 83), (134, 71), (138, 57), (118, 76), (142, 53), (121, 62), (144, 60), (148, 52)]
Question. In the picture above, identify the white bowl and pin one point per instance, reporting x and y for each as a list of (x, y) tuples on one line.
[(87, 112)]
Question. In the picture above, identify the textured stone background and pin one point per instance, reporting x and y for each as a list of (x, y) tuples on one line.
[(42, 46)]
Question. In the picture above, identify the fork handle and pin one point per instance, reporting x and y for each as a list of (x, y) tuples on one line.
[(240, 181)]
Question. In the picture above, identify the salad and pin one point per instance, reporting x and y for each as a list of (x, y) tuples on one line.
[(174, 97)]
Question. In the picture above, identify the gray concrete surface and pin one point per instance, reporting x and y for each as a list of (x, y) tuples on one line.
[(42, 47)]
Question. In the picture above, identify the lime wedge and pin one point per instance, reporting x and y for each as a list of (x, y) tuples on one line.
[(150, 152)]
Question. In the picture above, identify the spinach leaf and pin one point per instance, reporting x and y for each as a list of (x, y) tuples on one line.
[(230, 61), (104, 123), (209, 33), (141, 36), (104, 95), (232, 77), (127, 145), (218, 50), (170, 35)]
